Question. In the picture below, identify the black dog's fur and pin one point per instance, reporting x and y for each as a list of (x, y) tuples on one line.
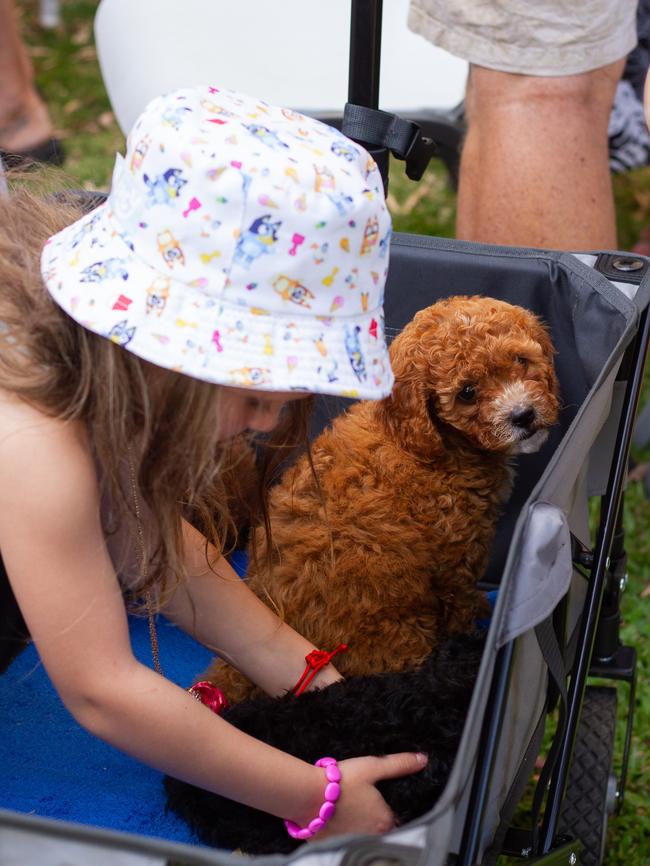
[(415, 711)]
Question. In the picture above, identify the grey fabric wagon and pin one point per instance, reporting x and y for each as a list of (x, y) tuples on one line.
[(556, 620), (557, 608)]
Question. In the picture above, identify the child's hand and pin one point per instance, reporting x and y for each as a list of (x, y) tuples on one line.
[(361, 808)]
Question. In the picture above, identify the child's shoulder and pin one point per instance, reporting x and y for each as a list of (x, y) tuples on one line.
[(35, 445), (14, 411), (18, 418)]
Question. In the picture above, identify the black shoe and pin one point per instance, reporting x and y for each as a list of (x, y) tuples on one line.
[(49, 151)]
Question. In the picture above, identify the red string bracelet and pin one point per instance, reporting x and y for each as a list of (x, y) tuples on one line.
[(316, 661)]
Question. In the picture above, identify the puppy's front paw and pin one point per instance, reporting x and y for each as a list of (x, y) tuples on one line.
[(235, 686)]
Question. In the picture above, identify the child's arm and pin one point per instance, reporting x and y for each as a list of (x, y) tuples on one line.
[(220, 611), (55, 554)]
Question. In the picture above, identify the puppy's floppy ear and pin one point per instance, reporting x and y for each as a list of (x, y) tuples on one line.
[(540, 333), (405, 413)]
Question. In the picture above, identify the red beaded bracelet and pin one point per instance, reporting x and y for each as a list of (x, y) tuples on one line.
[(327, 810)]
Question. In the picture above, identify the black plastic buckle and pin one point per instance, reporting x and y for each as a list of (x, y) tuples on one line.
[(580, 553), (419, 154)]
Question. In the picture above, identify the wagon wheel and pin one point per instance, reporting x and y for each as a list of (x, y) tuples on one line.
[(591, 786)]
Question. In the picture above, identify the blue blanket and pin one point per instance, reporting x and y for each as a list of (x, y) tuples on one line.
[(50, 766)]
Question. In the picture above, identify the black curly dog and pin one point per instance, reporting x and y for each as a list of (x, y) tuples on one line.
[(414, 711)]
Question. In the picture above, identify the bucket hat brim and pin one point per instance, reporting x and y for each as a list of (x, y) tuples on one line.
[(205, 337)]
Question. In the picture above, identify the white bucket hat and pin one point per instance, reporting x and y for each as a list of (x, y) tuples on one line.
[(242, 244)]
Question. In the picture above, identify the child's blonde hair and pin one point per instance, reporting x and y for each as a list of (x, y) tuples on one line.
[(147, 424)]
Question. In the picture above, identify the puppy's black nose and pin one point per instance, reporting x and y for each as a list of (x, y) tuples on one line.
[(523, 418)]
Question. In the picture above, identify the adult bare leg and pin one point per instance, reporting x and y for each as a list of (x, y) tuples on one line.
[(534, 168), (24, 119)]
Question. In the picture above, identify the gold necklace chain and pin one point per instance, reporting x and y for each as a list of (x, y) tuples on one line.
[(144, 572)]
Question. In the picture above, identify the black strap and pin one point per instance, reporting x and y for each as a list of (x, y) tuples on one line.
[(515, 792), (556, 665), (550, 648), (382, 129)]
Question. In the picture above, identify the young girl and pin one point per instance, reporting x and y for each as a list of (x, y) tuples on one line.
[(237, 266)]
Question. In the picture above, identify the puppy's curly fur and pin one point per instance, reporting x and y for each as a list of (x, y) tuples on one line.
[(383, 551), (423, 711)]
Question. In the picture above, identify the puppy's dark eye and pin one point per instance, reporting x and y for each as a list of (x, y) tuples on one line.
[(468, 394), (521, 360)]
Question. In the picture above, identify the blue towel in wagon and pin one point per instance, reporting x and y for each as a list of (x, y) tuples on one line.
[(50, 766)]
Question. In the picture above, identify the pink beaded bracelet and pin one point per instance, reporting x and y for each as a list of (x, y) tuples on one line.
[(327, 810)]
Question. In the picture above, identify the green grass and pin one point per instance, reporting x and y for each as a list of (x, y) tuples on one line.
[(69, 78), (629, 834)]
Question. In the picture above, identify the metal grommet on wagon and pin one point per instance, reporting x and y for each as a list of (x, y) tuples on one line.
[(628, 265), (621, 268)]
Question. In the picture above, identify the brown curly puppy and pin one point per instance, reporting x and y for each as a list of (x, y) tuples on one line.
[(383, 551)]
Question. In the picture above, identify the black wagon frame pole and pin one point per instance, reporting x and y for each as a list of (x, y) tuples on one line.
[(365, 52), (381, 133), (364, 71), (611, 505)]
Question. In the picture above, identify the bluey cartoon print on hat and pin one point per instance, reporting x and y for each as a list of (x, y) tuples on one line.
[(242, 244)]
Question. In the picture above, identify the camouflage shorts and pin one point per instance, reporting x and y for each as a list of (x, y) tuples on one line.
[(535, 37)]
